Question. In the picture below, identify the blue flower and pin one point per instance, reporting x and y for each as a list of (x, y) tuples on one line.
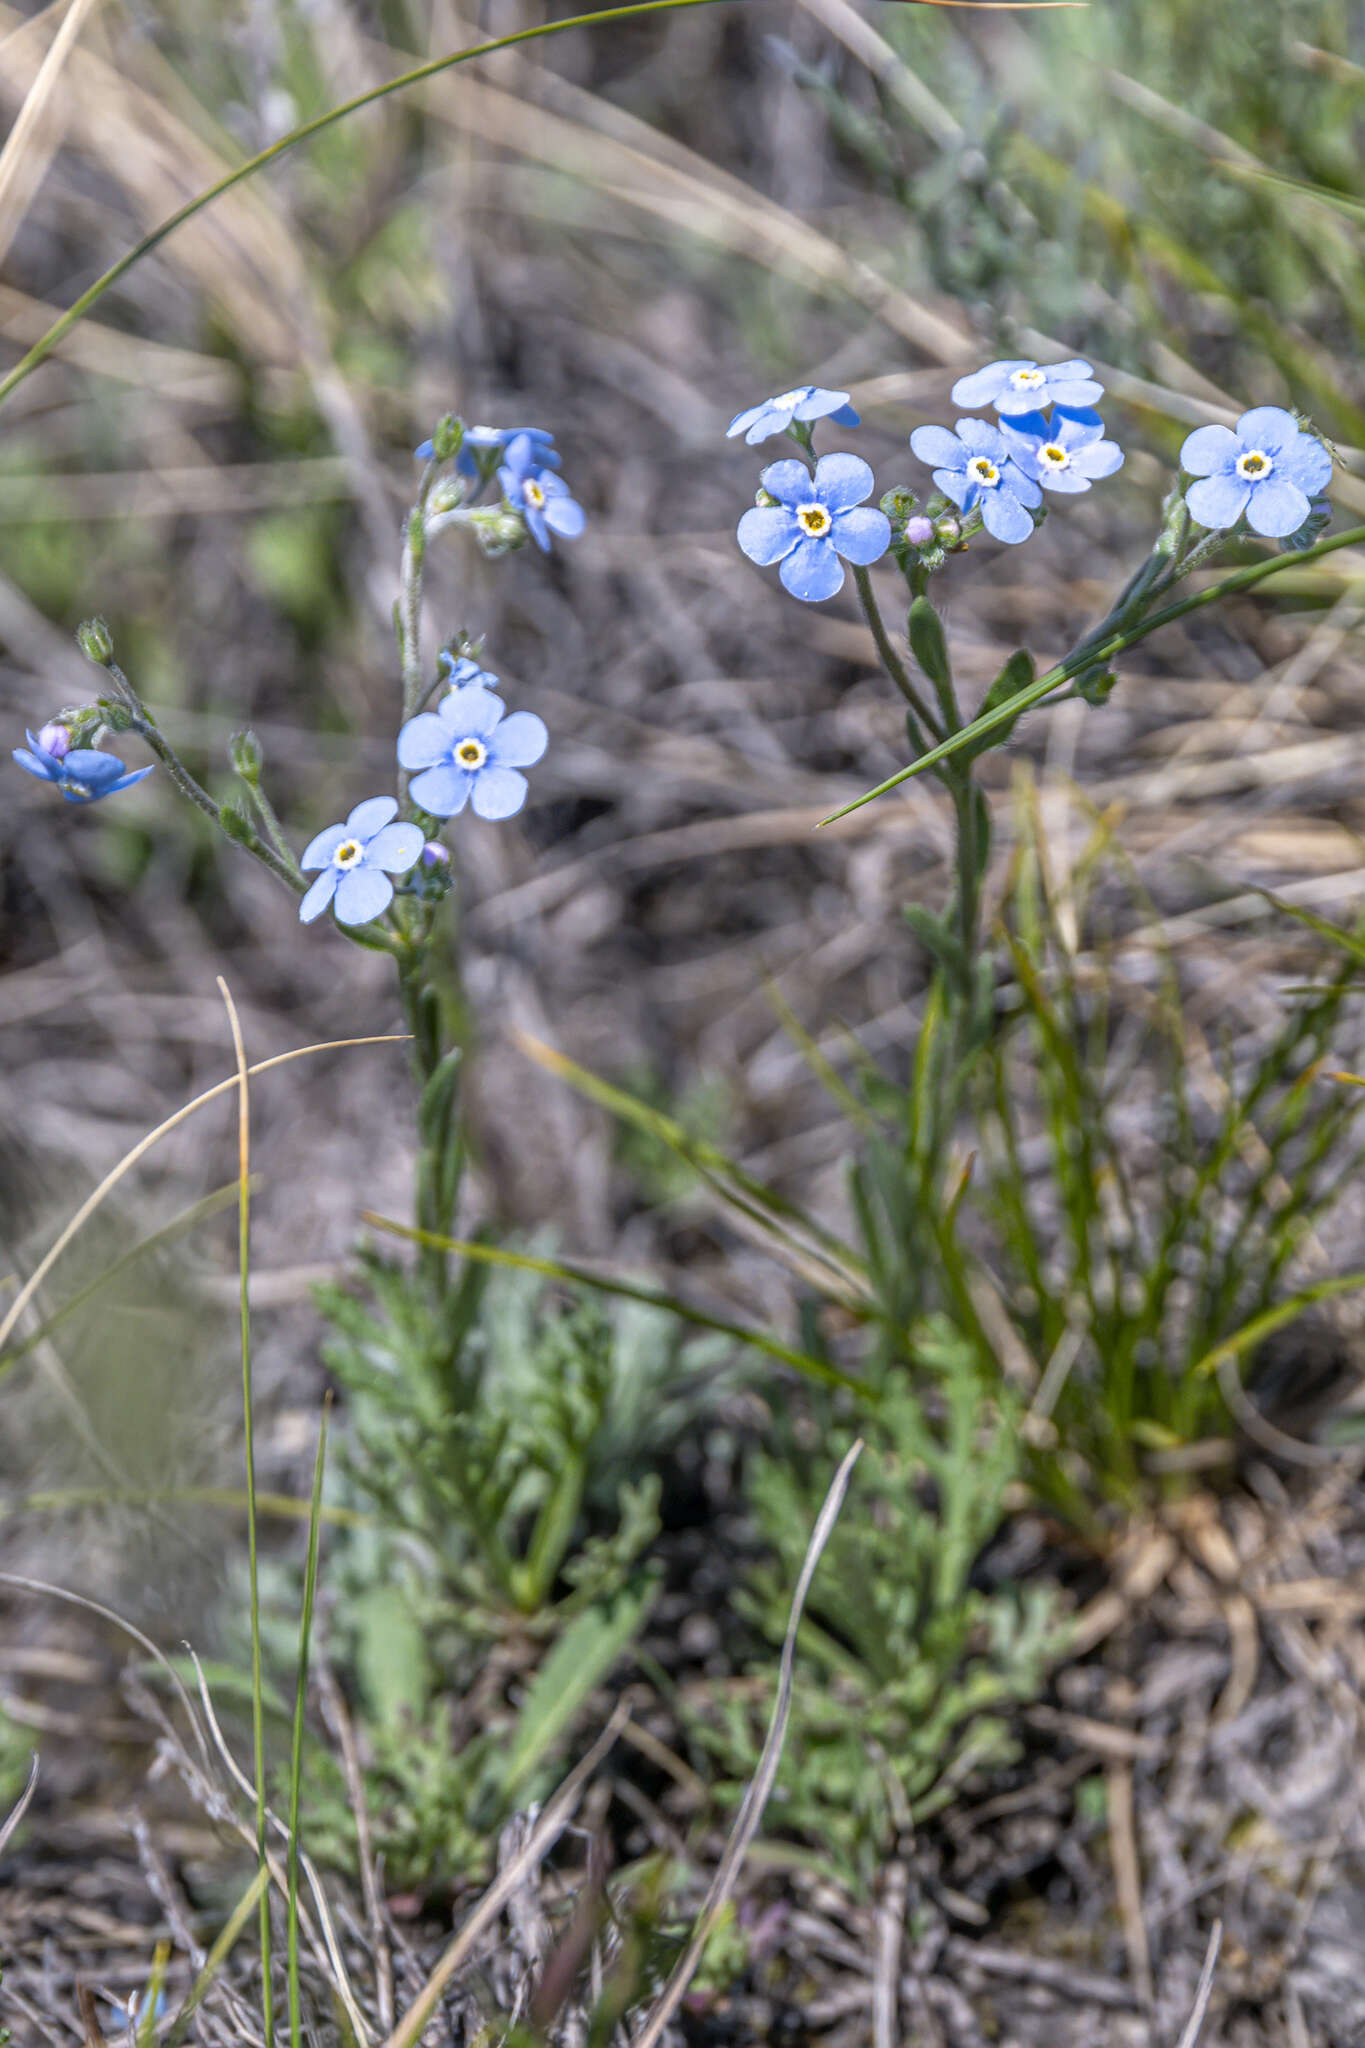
[(1068, 455), (468, 752), (817, 519), (978, 472), (357, 859), (1268, 468), (486, 439), (466, 671), (802, 402), (82, 774), (538, 494), (1021, 386)]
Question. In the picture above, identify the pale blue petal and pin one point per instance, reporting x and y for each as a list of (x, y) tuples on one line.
[(953, 484), (981, 438), (319, 896), (1005, 517), (1071, 392), (1023, 487), (936, 445), (367, 818), (812, 571), (787, 481), (1071, 479), (396, 848), (90, 766), (470, 713), (862, 534), (126, 781), (1073, 425), (767, 532), (984, 386), (498, 792), (1269, 427), (536, 527), (1097, 458), (363, 894), (421, 741), (742, 421), (819, 404), (518, 741), (442, 790), (1305, 463), (1209, 449), (33, 765), (1277, 507), (1217, 501), (842, 480), (319, 851), (565, 517)]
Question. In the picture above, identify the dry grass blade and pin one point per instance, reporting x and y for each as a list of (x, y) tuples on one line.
[(8, 1826), (144, 1145), (756, 1798), (36, 135), (1205, 1991), (556, 1817)]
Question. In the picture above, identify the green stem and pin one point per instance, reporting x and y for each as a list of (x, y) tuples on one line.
[(890, 660), (275, 830), (414, 559)]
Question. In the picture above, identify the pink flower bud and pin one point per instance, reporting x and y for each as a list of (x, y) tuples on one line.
[(54, 739)]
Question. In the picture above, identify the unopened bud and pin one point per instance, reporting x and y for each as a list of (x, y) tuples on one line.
[(95, 640), (919, 530), (949, 531), (233, 818), (434, 855), (114, 713), (448, 439), (55, 739), (244, 751)]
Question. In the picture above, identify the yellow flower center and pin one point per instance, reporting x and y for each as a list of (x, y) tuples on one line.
[(71, 787), (1054, 456), (814, 520), (1253, 465), (347, 854), (1027, 380), (983, 471), (471, 753), (534, 494)]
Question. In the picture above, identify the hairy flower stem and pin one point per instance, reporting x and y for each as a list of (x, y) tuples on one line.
[(410, 604), (890, 660)]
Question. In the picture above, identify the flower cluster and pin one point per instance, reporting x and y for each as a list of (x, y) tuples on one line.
[(82, 774)]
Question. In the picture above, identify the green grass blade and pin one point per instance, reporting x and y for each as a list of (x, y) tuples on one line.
[(579, 1276), (310, 1581), (218, 1955)]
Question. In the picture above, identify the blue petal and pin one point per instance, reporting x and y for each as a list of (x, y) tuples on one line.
[(319, 896), (953, 484), (90, 766), (1073, 392), (518, 741), (1073, 424), (983, 438), (442, 790), (936, 446), (862, 534), (1013, 481), (1269, 427), (1005, 517), (767, 532), (34, 766), (787, 481), (127, 780), (819, 404), (319, 851), (1208, 450), (395, 848), (983, 387), (367, 818), (1097, 458), (498, 792), (1032, 426), (845, 417), (536, 527), (812, 571), (425, 453), (564, 516), (363, 894), (520, 456), (1277, 507), (1305, 463), (1217, 501), (842, 480), (743, 420), (423, 740), (42, 753), (469, 713)]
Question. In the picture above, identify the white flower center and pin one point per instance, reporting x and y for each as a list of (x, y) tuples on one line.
[(982, 470), (348, 854), (1028, 380), (813, 520), (1053, 456), (1253, 464), (471, 754), (535, 496), (791, 399)]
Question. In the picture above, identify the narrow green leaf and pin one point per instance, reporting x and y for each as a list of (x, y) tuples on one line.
[(577, 1665)]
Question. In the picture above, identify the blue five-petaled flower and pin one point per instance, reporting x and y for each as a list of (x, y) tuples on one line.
[(977, 470), (481, 442), (1068, 454), (804, 402), (538, 494), (357, 859), (82, 774), (1268, 468), (465, 671), (468, 752), (816, 519), (1020, 385)]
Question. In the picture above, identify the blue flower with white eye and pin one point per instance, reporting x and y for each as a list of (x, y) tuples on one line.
[(816, 519), (82, 774), (1267, 467), (1020, 385), (484, 441), (803, 402), (976, 469), (466, 671), (468, 751), (357, 859), (538, 494), (1067, 454)]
